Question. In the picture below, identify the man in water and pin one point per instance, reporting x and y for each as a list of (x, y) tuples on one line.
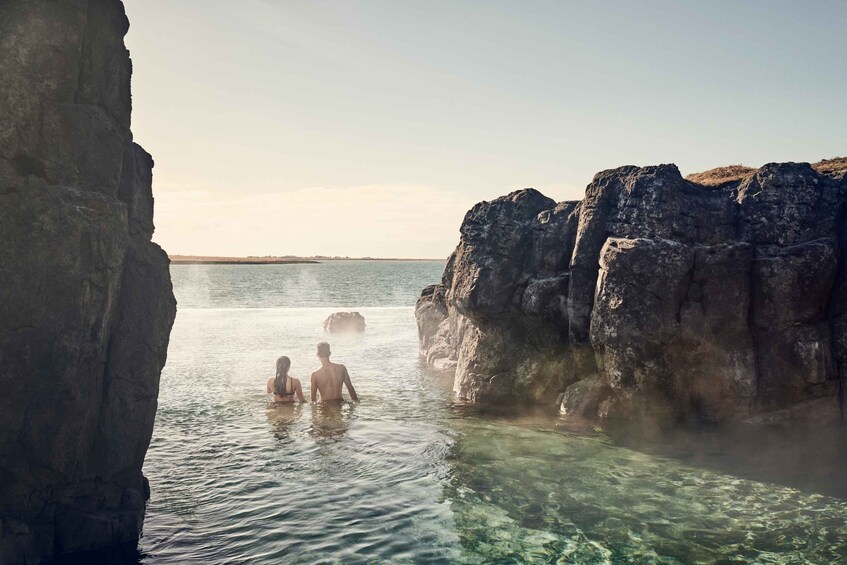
[(328, 379)]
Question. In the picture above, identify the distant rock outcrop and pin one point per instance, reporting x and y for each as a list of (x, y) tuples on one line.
[(86, 305), (653, 297), (341, 322)]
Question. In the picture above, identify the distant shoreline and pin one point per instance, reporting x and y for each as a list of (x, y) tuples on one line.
[(250, 260)]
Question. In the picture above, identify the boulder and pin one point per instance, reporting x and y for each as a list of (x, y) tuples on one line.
[(654, 297), (497, 241), (343, 322), (86, 304)]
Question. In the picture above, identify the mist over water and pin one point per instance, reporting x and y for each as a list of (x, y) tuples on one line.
[(404, 477)]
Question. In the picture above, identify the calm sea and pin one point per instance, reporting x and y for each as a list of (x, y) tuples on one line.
[(404, 477)]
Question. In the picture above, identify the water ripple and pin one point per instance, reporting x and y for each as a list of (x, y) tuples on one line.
[(404, 477)]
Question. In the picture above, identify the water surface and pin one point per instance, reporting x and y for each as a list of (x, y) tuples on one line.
[(404, 477)]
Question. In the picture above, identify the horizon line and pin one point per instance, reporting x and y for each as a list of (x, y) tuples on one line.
[(178, 258)]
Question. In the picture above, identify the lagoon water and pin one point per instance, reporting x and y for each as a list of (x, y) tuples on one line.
[(403, 476)]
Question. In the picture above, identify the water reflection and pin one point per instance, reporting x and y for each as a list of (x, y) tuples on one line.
[(282, 416), (331, 420)]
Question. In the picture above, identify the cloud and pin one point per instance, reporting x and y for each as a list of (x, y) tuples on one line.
[(371, 220)]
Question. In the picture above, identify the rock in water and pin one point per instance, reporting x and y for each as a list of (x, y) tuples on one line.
[(341, 322), (86, 304), (654, 297)]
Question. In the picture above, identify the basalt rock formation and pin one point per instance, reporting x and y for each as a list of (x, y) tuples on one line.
[(342, 322), (86, 304), (657, 297)]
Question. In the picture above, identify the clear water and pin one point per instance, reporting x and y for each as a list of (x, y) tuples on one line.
[(403, 476)]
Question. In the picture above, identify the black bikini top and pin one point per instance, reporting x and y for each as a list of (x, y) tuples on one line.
[(292, 393)]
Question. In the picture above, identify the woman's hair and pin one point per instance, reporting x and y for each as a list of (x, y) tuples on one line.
[(281, 379)]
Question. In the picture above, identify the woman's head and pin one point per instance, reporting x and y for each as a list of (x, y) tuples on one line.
[(280, 381)]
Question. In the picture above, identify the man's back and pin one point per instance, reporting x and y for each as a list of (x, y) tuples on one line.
[(330, 377), (328, 381)]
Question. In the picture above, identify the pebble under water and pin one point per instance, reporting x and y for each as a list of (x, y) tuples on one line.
[(403, 476)]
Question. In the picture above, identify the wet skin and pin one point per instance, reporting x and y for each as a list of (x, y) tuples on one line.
[(292, 386), (328, 380)]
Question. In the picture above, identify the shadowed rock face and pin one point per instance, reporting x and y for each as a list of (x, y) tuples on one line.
[(653, 297), (86, 304)]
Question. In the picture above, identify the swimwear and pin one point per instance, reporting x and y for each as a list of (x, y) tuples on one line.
[(285, 396)]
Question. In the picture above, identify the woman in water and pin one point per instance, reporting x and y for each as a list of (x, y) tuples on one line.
[(283, 387)]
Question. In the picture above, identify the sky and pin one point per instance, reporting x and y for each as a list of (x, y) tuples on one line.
[(368, 128)]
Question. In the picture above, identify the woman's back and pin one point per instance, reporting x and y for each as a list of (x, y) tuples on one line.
[(292, 390), (282, 386)]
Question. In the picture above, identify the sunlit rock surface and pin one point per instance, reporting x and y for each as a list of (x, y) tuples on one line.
[(86, 304), (654, 297), (344, 322)]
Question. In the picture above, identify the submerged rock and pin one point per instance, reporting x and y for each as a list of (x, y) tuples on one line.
[(86, 305), (654, 297), (342, 322)]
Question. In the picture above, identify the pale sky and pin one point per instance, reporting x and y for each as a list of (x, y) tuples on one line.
[(368, 128)]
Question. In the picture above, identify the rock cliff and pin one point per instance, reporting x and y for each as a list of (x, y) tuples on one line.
[(658, 297), (86, 304)]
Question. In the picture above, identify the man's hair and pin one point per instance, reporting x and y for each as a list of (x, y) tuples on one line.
[(323, 349)]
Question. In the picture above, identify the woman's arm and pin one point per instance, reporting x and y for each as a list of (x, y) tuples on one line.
[(298, 388), (269, 387)]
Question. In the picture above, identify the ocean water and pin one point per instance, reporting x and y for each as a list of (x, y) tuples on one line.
[(405, 477)]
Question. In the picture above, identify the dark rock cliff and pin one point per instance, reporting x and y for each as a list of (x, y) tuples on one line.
[(654, 297), (86, 304)]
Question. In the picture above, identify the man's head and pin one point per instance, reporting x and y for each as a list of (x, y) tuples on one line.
[(323, 350)]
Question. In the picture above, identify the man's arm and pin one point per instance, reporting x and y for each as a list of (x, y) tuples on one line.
[(313, 389), (349, 386)]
